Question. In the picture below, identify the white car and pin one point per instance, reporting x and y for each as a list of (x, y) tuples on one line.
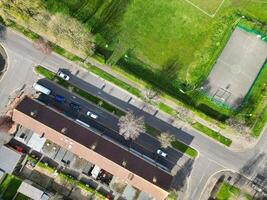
[(162, 153), (63, 76), (94, 116)]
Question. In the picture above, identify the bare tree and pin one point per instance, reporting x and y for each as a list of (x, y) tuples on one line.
[(130, 127), (70, 33), (43, 46), (165, 139), (151, 95), (182, 113), (6, 124)]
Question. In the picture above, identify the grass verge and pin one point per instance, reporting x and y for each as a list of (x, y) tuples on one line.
[(259, 124), (115, 81), (227, 191), (180, 146), (165, 108), (184, 148), (213, 134)]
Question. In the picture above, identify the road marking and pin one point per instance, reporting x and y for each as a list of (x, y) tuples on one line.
[(200, 181)]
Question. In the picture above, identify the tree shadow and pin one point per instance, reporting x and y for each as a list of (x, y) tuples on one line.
[(2, 33), (170, 69), (179, 180), (206, 86), (249, 169)]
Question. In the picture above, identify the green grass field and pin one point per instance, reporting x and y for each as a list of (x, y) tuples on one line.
[(160, 32), (170, 45), (208, 7), (227, 192), (9, 187)]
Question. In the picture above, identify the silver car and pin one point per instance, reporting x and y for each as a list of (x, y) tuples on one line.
[(63, 76), (162, 153), (92, 115)]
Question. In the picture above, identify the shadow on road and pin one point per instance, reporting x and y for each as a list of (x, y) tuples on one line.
[(249, 170), (180, 179), (2, 33)]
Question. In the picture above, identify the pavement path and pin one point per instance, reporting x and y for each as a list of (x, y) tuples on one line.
[(213, 156)]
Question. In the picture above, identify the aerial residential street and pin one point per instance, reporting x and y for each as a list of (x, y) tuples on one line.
[(22, 57), (145, 143)]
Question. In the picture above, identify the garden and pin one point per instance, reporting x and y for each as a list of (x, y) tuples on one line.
[(228, 192), (9, 187)]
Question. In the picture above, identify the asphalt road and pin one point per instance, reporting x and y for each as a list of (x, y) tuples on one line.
[(213, 156)]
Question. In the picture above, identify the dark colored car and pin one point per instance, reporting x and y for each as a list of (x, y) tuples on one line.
[(59, 99), (75, 106)]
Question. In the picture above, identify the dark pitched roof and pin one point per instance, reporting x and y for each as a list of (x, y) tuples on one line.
[(104, 147)]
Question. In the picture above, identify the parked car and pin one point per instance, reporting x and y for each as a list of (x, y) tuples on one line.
[(92, 115), (59, 99), (39, 88), (162, 153), (75, 106), (63, 76)]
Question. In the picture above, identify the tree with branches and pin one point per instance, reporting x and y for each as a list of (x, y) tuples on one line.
[(6, 124), (165, 139), (43, 46), (130, 127)]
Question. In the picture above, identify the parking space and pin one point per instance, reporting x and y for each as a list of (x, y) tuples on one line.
[(236, 69)]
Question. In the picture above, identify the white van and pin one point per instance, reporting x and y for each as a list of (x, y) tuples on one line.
[(42, 89), (95, 172)]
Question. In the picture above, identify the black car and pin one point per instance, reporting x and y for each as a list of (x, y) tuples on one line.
[(75, 106)]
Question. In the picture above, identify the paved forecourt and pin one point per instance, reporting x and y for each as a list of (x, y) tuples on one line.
[(237, 67)]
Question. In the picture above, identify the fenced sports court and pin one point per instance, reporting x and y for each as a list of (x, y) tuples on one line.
[(236, 68)]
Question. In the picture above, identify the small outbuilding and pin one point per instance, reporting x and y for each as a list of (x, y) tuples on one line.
[(9, 159)]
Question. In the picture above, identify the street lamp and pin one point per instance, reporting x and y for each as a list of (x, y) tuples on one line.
[(247, 115)]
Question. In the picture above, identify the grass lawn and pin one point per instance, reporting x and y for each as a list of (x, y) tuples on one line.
[(213, 134), (227, 192), (209, 7), (158, 32), (45, 72), (46, 167), (166, 108), (184, 148), (115, 81), (9, 187)]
